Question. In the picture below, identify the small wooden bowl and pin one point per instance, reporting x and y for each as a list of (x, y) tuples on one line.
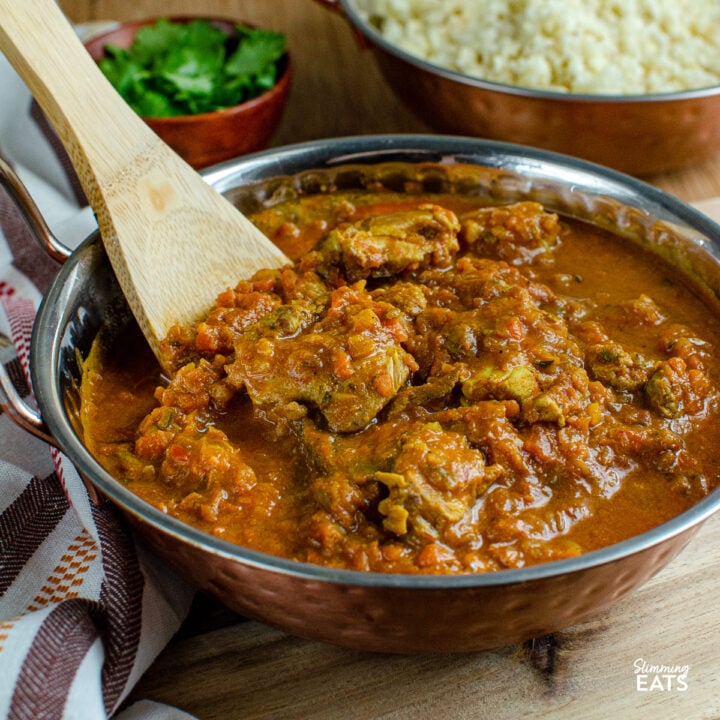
[(209, 138)]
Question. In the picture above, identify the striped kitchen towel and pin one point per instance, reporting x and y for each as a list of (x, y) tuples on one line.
[(84, 609)]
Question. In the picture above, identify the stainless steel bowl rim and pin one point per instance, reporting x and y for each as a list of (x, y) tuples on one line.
[(332, 153), (376, 38)]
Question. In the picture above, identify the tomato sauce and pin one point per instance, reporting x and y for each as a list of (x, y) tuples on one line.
[(435, 386)]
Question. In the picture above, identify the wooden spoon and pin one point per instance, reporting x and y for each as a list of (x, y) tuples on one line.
[(173, 241)]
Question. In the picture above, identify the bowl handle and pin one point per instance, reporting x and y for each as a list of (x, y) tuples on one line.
[(11, 402), (31, 214), (19, 411)]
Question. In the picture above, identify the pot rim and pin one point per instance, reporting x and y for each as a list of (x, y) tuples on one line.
[(374, 36), (292, 159)]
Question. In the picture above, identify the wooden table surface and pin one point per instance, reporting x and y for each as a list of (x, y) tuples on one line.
[(222, 666)]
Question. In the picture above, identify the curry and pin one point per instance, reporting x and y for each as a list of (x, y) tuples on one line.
[(435, 386)]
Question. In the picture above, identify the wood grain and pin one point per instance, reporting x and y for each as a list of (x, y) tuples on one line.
[(249, 670), (221, 666)]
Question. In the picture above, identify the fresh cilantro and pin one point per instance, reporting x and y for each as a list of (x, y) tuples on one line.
[(256, 51), (176, 69)]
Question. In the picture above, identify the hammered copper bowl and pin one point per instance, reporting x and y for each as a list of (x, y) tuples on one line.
[(209, 138), (637, 134), (374, 611)]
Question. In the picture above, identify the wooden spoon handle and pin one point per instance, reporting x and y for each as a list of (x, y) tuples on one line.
[(99, 130), (174, 243)]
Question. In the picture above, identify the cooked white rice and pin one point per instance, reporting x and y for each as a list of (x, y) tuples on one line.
[(616, 47)]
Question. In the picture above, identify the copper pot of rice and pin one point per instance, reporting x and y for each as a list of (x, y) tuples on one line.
[(641, 132)]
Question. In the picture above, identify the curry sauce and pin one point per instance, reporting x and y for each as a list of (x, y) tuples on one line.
[(435, 386)]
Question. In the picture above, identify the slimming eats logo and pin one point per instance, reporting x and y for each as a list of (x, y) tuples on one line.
[(660, 678)]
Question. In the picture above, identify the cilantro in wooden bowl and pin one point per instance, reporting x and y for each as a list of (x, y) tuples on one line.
[(211, 88)]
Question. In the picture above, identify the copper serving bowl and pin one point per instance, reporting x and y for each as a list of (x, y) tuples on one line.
[(367, 610), (637, 134), (208, 138)]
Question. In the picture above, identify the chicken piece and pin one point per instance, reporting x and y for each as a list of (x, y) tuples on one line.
[(157, 430), (433, 482), (614, 366), (519, 234), (200, 458), (390, 244), (461, 335), (568, 395), (415, 478), (408, 297), (510, 383), (678, 341), (489, 426), (478, 278), (416, 399), (238, 309), (349, 364), (218, 331), (194, 387), (673, 389), (642, 310)]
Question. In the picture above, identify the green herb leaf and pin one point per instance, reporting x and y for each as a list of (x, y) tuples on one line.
[(186, 68), (151, 103), (257, 50), (154, 41)]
